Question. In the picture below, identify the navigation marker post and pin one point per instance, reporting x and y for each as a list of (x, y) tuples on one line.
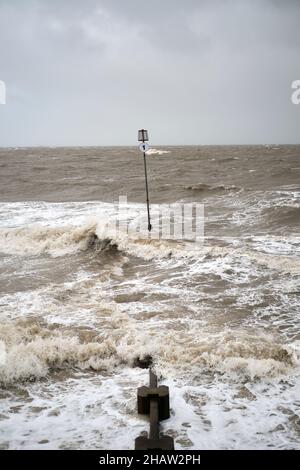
[(143, 137)]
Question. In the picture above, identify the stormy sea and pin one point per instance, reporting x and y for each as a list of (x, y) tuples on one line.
[(81, 308)]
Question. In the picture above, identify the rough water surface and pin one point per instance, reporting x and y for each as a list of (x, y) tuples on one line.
[(79, 305)]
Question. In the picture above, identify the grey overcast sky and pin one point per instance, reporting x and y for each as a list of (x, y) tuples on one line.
[(91, 72)]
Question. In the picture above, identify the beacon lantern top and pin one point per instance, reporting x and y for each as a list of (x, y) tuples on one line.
[(143, 135)]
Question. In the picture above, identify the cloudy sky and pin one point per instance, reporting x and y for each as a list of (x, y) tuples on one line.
[(191, 71)]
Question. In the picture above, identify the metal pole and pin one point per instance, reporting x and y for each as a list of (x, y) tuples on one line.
[(147, 193)]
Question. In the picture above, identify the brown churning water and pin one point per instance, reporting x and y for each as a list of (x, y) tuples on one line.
[(79, 306)]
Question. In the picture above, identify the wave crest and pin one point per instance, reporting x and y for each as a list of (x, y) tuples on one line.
[(33, 350), (207, 187), (59, 241)]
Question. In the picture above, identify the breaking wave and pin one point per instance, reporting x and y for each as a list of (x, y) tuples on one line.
[(36, 240), (63, 241), (33, 350)]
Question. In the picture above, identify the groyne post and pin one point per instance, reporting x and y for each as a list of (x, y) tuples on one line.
[(154, 401)]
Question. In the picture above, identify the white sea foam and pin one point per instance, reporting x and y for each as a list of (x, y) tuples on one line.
[(37, 239), (65, 240), (153, 151), (33, 350), (100, 412)]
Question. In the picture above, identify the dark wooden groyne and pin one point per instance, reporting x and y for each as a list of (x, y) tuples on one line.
[(154, 401)]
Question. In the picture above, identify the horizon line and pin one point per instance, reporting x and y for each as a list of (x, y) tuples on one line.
[(150, 146)]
